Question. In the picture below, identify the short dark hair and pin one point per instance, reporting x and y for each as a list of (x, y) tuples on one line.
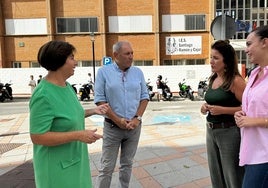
[(53, 54)]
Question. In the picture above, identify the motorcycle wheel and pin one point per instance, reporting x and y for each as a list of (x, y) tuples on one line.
[(82, 98), (191, 96), (183, 95), (2, 99)]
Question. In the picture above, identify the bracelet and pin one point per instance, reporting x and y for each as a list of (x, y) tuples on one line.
[(266, 122)]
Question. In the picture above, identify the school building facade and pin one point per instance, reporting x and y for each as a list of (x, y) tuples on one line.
[(162, 32)]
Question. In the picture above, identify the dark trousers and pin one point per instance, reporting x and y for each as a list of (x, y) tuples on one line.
[(256, 176)]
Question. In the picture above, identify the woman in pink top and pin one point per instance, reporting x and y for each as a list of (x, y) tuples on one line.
[(253, 119)]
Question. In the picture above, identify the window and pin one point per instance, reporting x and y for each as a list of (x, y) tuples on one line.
[(242, 57), (182, 22), (195, 22), (247, 3), (148, 63), (258, 4), (34, 64), (233, 3), (143, 62), (125, 24), (33, 26), (16, 64), (89, 63), (250, 12), (200, 61), (77, 25), (84, 64), (195, 62), (247, 14), (184, 62), (219, 4), (190, 62), (138, 63), (178, 62), (167, 62), (226, 4)]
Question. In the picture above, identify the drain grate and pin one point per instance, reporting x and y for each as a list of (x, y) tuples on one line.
[(9, 146)]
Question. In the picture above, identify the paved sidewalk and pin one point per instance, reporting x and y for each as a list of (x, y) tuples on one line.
[(171, 152)]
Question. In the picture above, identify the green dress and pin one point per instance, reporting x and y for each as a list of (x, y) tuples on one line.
[(57, 109)]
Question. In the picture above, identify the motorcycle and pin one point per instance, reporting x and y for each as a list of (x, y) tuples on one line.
[(167, 95), (74, 88), (202, 88), (5, 92), (84, 92), (150, 89), (186, 90)]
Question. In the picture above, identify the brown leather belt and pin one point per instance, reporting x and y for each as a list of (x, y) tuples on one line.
[(110, 121), (222, 125)]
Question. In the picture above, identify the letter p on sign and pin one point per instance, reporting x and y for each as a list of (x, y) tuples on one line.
[(107, 60)]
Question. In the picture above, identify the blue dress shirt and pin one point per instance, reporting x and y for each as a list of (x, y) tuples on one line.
[(122, 90)]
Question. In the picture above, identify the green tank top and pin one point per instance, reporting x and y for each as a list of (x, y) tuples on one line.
[(222, 98)]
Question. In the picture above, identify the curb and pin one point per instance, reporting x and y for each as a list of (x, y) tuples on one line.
[(22, 96)]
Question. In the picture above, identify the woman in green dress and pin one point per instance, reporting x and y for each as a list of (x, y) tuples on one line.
[(57, 125)]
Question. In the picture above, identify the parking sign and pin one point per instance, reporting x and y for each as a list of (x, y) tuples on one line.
[(107, 60)]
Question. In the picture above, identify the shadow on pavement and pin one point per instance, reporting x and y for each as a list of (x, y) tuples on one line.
[(19, 177)]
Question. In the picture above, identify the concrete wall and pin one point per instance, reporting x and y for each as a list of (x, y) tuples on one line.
[(20, 77)]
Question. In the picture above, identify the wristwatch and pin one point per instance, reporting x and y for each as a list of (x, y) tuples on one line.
[(138, 117)]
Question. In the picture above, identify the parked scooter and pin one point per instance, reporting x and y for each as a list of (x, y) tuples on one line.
[(5, 92), (75, 90), (202, 88), (84, 92), (150, 89), (167, 95), (186, 90)]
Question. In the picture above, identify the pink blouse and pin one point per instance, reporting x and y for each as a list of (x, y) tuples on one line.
[(254, 140)]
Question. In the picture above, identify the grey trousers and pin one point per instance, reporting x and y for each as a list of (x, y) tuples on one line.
[(113, 139), (223, 146)]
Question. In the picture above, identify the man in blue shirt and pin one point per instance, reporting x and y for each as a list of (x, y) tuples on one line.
[(122, 86)]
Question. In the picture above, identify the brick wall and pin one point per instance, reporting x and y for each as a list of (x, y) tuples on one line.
[(147, 46)]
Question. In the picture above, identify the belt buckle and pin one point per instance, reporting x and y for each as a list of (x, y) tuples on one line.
[(210, 125), (112, 124)]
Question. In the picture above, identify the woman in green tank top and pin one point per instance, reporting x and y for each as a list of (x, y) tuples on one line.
[(223, 98)]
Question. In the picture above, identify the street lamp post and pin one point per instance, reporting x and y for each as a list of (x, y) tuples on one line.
[(92, 38)]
